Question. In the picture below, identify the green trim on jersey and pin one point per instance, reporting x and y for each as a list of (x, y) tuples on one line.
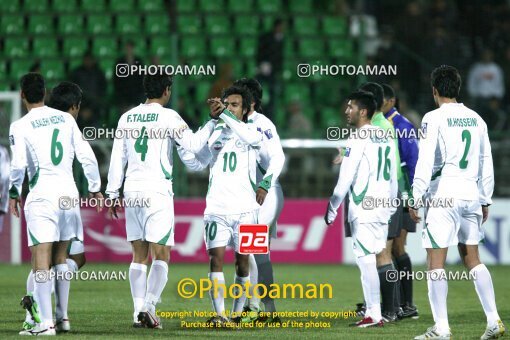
[(167, 174), (13, 192), (34, 240), (261, 169), (33, 181), (209, 186), (437, 173), (357, 199), (266, 183), (231, 115), (164, 240), (363, 248), (434, 244)]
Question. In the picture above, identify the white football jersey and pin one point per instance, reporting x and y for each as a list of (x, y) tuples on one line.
[(455, 151), (144, 141), (45, 142), (369, 174)]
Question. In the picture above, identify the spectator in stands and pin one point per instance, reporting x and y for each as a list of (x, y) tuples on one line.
[(299, 125), (270, 62), (92, 81), (128, 91), (485, 81), (224, 80)]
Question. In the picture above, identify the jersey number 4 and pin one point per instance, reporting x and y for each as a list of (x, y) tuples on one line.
[(141, 146)]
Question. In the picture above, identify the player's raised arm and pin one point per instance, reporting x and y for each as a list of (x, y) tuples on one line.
[(276, 158), (86, 157), (189, 141), (18, 167), (118, 161), (485, 170), (195, 162)]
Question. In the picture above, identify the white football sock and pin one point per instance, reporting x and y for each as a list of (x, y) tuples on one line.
[(217, 293), (62, 286), (438, 292), (138, 283), (254, 301), (238, 304), (42, 295), (30, 290), (156, 282), (485, 290), (370, 283), (73, 266), (266, 277)]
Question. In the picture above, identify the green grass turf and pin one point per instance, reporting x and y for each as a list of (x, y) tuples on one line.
[(104, 308)]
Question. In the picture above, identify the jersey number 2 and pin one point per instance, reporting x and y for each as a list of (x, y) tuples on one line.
[(466, 137), (141, 146), (57, 151)]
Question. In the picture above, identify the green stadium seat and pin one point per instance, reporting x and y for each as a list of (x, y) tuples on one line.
[(3, 67), (156, 24), (122, 5), (104, 47), (40, 24), (64, 5), (202, 89), (211, 6), (251, 68), (306, 25), (331, 116), (222, 47), (185, 6), (296, 92), (341, 48), (140, 42), (93, 5), (310, 48), (9, 6), (192, 47), (246, 24), (247, 47), (70, 24), (267, 22), (5, 86), (334, 26), (236, 6), (35, 6), (288, 48), (19, 68), (52, 70), (75, 47), (269, 6), (217, 25), (45, 47), (301, 6), (189, 24), (97, 24), (16, 47), (12, 24), (238, 69), (151, 6), (128, 23), (107, 65), (161, 46), (74, 63)]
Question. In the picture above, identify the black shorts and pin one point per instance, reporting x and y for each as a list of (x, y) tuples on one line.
[(347, 225), (407, 223), (395, 223)]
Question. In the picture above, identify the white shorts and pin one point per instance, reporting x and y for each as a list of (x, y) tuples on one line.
[(76, 247), (222, 231), (154, 223), (270, 211), (46, 222), (449, 226), (368, 238)]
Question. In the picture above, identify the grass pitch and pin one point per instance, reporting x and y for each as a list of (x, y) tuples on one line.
[(104, 308)]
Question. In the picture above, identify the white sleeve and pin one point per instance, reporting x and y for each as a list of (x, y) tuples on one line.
[(426, 157), (486, 170), (271, 141), (193, 142), (348, 169), (195, 162), (4, 179), (118, 161), (18, 162), (248, 135), (86, 157)]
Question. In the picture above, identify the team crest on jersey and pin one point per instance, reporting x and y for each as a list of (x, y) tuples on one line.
[(217, 146), (346, 152), (268, 134), (424, 129), (11, 139)]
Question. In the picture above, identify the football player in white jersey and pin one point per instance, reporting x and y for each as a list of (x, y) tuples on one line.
[(455, 150), (367, 183), (45, 142), (145, 139), (270, 161)]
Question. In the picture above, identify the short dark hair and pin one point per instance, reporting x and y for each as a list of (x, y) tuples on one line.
[(155, 85), (389, 93), (33, 87), (242, 91), (364, 100), (65, 95), (446, 80), (376, 90), (255, 89)]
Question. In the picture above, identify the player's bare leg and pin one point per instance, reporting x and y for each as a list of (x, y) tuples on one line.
[(62, 285), (388, 287), (403, 264), (241, 278), (484, 288), (79, 261), (217, 278), (438, 292), (138, 277), (156, 282)]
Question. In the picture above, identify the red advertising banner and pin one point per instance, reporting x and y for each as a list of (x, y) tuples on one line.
[(303, 236)]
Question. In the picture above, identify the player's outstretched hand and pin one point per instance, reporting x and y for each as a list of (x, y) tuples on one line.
[(330, 215), (14, 204), (261, 195), (99, 197), (413, 213), (485, 214), (338, 159), (216, 107)]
